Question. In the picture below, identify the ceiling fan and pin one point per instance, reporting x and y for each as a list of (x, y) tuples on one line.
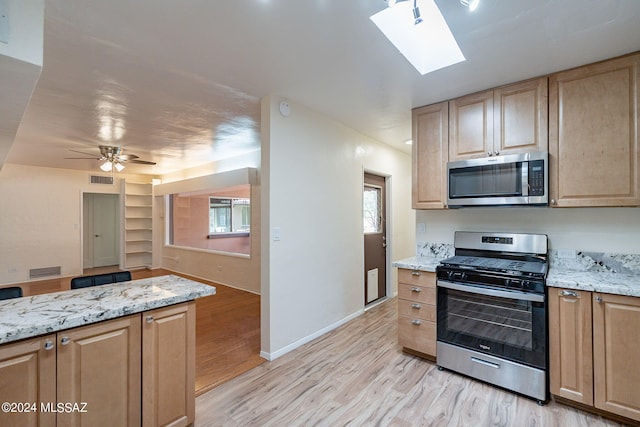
[(113, 157)]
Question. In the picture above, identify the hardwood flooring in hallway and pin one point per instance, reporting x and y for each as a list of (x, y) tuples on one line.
[(357, 375), (227, 326), (227, 332)]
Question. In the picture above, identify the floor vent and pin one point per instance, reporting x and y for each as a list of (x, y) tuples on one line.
[(97, 179), (36, 273)]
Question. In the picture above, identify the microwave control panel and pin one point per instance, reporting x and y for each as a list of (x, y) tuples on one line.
[(536, 178)]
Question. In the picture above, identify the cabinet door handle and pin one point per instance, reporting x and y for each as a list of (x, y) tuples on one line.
[(416, 322), (65, 340), (489, 153), (553, 202), (496, 153), (416, 306), (149, 319), (415, 273), (598, 298), (417, 290), (566, 293), (48, 345)]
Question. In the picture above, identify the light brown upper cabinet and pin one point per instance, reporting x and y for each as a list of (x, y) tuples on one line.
[(506, 120), (593, 135), (430, 139)]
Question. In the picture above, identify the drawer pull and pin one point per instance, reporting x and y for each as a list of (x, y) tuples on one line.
[(48, 345), (598, 298), (65, 340), (416, 322), (416, 306), (418, 290), (565, 293), (415, 273), (149, 319)]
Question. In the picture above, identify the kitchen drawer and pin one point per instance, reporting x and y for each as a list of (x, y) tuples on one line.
[(416, 277), (417, 293), (419, 337), (417, 310)]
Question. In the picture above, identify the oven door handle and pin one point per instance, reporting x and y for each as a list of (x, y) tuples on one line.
[(491, 292)]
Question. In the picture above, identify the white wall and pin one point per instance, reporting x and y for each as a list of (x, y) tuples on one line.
[(41, 219), (26, 30), (312, 176), (586, 229)]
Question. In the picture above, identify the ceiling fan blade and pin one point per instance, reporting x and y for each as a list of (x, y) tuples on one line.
[(82, 152), (127, 157), (141, 162), (82, 158)]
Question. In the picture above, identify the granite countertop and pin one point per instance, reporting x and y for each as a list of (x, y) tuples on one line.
[(418, 263), (605, 282), (43, 314), (559, 277)]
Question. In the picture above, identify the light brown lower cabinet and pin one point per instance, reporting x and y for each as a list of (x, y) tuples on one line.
[(417, 311), (28, 376), (130, 371), (168, 366), (594, 350)]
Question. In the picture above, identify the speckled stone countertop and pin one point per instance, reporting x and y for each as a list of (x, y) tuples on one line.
[(589, 271), (609, 283), (418, 263), (43, 314)]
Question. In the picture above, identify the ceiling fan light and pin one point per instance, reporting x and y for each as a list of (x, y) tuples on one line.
[(106, 166), (119, 166)]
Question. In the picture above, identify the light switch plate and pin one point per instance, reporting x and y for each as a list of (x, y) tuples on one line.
[(422, 227), (275, 232)]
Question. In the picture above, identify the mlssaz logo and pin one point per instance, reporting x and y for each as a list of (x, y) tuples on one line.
[(484, 347)]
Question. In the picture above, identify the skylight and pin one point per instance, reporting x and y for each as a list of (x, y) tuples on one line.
[(429, 45)]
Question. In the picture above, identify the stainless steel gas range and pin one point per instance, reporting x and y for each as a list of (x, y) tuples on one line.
[(492, 311)]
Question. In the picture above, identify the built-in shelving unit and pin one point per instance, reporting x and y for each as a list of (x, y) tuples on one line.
[(138, 240)]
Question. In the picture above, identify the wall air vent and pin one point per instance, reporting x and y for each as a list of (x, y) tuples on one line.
[(96, 179), (36, 273)]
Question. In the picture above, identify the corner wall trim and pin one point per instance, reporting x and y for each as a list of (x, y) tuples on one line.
[(284, 350)]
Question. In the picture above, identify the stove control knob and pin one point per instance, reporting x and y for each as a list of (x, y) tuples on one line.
[(525, 284)]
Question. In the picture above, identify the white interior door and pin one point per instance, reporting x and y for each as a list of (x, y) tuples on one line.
[(101, 230)]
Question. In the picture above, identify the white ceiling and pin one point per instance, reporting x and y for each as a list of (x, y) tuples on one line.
[(180, 83)]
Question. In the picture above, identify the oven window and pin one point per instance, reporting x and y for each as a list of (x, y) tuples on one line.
[(504, 180), (498, 320)]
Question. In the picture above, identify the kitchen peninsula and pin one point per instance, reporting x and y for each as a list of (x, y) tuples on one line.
[(127, 350)]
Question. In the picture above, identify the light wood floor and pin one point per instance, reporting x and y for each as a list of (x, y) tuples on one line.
[(356, 375)]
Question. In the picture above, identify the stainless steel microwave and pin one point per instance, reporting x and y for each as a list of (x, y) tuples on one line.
[(514, 179)]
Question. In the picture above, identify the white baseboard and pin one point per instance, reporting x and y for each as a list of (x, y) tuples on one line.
[(308, 338)]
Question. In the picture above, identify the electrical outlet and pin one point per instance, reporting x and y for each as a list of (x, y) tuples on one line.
[(567, 253), (422, 227)]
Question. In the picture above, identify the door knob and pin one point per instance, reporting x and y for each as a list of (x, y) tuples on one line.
[(96, 235), (384, 245)]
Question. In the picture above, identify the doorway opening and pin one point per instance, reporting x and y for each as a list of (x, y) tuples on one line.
[(374, 212), (100, 230)]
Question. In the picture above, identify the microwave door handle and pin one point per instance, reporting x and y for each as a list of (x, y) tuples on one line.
[(525, 179)]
